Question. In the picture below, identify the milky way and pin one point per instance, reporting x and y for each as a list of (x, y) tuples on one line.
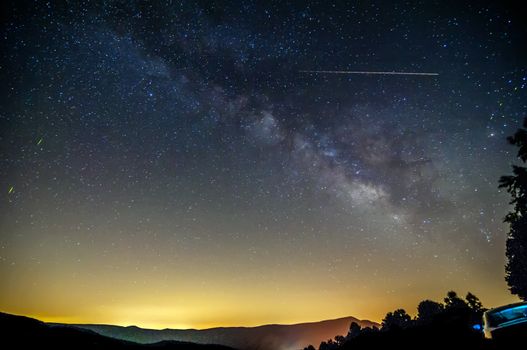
[(168, 164)]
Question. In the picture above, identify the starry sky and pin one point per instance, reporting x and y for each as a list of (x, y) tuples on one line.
[(166, 163)]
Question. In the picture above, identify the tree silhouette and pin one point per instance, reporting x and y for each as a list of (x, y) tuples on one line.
[(474, 303), (369, 330), (329, 345), (340, 340), (354, 330), (427, 310), (437, 326), (516, 251), (398, 319), (452, 301)]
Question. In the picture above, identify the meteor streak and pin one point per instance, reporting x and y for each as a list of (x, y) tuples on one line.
[(367, 72)]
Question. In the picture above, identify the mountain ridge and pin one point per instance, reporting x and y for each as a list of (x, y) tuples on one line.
[(218, 327), (20, 332), (262, 337)]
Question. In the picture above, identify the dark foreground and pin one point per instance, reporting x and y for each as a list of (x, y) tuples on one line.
[(429, 339), (443, 332), (19, 332)]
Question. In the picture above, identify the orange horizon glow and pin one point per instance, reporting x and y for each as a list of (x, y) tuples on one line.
[(123, 321), (124, 289), (148, 294), (234, 306)]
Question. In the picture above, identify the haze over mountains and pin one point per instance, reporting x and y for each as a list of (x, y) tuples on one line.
[(19, 332), (266, 337)]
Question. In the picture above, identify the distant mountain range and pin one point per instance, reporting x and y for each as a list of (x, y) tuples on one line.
[(267, 337), (18, 332)]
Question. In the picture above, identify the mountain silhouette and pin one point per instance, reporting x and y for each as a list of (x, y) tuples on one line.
[(20, 332), (267, 337)]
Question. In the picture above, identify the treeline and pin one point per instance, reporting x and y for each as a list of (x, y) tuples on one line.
[(454, 323)]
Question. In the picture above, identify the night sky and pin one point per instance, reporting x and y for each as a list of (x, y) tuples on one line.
[(167, 164)]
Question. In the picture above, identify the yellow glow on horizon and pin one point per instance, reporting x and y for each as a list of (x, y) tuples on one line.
[(245, 307), (193, 292)]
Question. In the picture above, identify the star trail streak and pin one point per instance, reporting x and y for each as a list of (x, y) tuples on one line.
[(367, 73)]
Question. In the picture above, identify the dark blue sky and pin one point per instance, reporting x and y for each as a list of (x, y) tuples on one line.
[(168, 143)]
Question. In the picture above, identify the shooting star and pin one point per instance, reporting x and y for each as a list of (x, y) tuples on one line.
[(367, 72), (11, 189)]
